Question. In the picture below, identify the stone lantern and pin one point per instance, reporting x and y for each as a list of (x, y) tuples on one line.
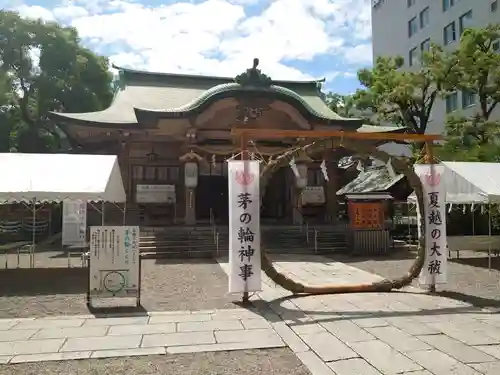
[(301, 160), (191, 161)]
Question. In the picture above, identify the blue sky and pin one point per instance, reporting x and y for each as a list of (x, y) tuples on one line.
[(294, 39)]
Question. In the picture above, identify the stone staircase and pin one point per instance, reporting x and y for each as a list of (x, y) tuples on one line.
[(198, 241), (178, 242), (287, 240), (331, 239)]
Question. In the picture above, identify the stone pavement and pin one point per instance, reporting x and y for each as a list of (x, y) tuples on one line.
[(355, 334)]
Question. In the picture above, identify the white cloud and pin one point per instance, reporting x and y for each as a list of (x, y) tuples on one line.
[(219, 37), (360, 54), (35, 11), (69, 12)]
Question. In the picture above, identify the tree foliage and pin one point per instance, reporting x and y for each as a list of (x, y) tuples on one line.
[(405, 97), (472, 134), (44, 68), (349, 106)]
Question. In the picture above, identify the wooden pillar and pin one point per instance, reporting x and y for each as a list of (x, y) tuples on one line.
[(297, 205), (190, 206), (332, 186)]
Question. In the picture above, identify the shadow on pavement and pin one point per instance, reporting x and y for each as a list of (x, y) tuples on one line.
[(43, 281), (480, 262)]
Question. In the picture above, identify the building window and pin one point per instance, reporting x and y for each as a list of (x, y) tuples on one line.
[(412, 57), (162, 173), (137, 172), (424, 18), (410, 3), (494, 6), (450, 33), (150, 174), (412, 26), (468, 99), (447, 4), (465, 21), (495, 46), (451, 102), (425, 46), (314, 177)]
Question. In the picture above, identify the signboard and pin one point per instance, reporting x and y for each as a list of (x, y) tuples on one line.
[(74, 223), (155, 194), (313, 195), (114, 261), (366, 215), (434, 269), (244, 226)]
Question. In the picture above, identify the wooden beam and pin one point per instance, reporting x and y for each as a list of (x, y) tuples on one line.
[(273, 134)]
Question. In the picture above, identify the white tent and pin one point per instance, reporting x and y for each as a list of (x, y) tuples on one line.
[(58, 177), (41, 178), (470, 182)]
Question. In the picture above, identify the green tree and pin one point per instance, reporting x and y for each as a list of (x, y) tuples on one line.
[(47, 70), (472, 135), (349, 106), (405, 97)]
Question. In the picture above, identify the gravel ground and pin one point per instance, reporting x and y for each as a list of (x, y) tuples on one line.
[(244, 362), (469, 279), (166, 285)]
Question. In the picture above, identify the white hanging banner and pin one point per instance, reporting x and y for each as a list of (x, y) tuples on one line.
[(74, 223), (324, 170), (295, 170), (435, 266), (244, 226), (114, 261)]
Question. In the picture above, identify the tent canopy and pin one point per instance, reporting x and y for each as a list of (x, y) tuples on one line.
[(470, 182), (60, 177)]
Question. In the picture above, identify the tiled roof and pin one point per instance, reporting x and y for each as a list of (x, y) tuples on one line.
[(372, 180), (160, 92)]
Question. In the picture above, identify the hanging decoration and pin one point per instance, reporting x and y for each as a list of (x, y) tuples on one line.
[(360, 168), (464, 209), (390, 169), (214, 165), (482, 209), (324, 170), (450, 208), (295, 170), (472, 207)]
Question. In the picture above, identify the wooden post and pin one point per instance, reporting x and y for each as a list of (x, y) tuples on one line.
[(245, 299)]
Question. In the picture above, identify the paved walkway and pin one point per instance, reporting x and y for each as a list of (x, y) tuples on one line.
[(370, 334)]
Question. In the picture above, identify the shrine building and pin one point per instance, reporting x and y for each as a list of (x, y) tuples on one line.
[(172, 135)]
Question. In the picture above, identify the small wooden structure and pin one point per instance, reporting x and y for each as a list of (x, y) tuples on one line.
[(369, 228)]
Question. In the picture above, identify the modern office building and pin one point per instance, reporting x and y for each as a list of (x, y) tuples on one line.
[(407, 27)]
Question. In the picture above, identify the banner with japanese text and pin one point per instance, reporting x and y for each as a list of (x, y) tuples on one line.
[(434, 269), (244, 226), (74, 223)]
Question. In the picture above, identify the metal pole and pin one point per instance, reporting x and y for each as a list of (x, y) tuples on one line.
[(102, 213), (33, 237), (473, 220), (125, 213), (315, 241), (489, 233)]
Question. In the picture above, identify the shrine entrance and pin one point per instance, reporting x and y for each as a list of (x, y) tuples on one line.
[(212, 197)]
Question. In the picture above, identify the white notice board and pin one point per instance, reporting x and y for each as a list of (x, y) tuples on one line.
[(114, 261), (155, 194), (74, 223)]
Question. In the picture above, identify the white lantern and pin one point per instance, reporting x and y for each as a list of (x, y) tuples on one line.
[(301, 179), (191, 174)]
